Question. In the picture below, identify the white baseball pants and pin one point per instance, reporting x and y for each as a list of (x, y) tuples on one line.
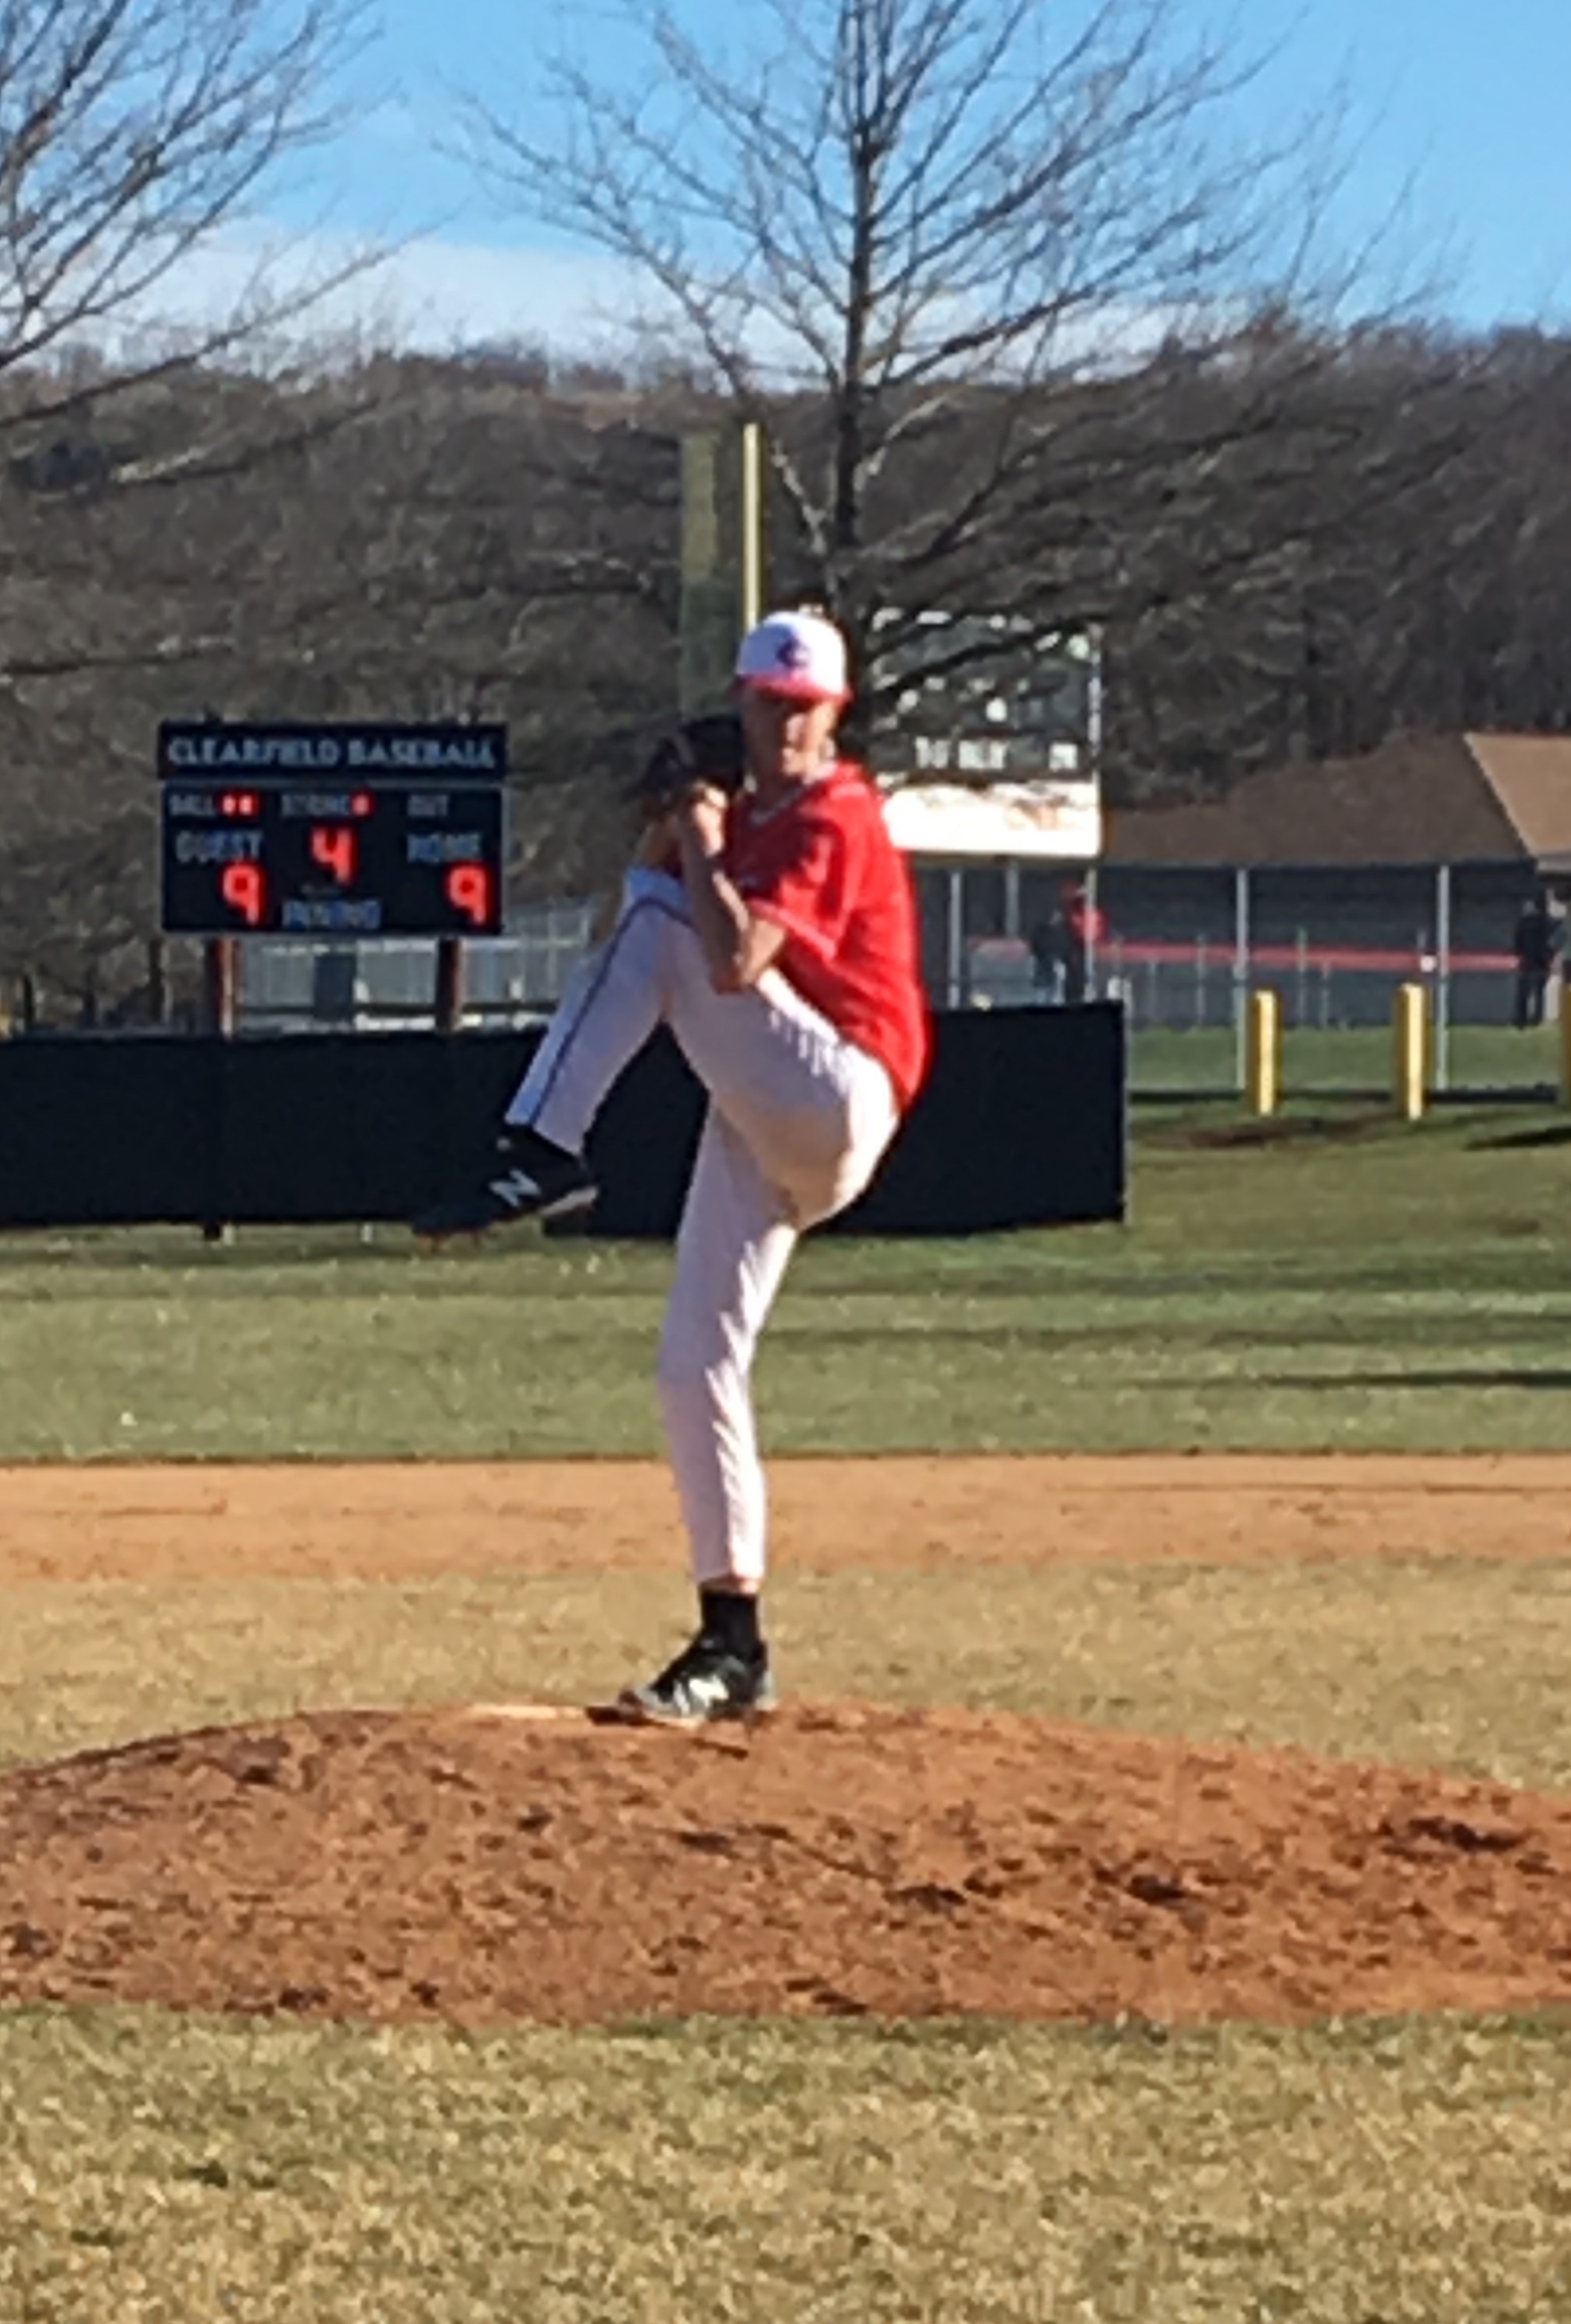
[(799, 1121)]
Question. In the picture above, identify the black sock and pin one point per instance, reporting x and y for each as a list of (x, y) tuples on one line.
[(730, 1619)]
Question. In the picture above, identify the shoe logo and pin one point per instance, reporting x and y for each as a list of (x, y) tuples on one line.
[(515, 1189)]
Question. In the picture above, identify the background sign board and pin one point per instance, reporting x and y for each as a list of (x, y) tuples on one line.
[(1056, 821), (335, 830), (990, 745)]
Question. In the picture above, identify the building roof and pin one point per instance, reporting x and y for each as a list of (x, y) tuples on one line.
[(1418, 799), (1530, 776)]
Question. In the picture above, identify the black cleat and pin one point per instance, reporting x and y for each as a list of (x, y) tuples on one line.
[(706, 1681), (524, 1177)]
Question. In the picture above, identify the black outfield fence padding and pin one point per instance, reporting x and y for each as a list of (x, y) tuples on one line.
[(1021, 1124)]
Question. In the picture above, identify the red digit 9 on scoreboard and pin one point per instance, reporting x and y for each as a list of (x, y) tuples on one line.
[(244, 888), (467, 888)]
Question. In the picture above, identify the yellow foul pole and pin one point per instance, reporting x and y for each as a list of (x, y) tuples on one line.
[(752, 524)]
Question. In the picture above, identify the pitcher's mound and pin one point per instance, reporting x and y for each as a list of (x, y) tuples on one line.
[(481, 1865)]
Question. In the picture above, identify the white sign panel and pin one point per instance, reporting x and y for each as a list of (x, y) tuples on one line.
[(1051, 820)]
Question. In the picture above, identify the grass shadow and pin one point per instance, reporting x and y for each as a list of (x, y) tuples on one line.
[(1508, 1141), (1458, 1376), (1339, 1129)]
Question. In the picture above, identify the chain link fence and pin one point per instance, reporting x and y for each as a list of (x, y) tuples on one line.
[(1180, 948)]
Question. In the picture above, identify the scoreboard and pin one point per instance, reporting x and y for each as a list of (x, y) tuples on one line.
[(368, 829)]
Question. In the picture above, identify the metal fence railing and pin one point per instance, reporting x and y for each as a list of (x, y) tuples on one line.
[(512, 980)]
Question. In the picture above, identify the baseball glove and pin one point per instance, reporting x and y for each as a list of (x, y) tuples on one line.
[(703, 753)]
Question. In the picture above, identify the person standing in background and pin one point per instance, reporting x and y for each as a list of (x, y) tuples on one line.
[(1536, 941), (1085, 928)]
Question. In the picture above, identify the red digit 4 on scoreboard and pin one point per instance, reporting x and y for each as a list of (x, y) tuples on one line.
[(468, 891), (333, 847), (244, 890)]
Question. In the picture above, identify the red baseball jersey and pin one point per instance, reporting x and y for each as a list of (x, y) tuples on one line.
[(821, 865)]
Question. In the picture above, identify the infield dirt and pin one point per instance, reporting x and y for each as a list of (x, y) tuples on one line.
[(489, 1863), (387, 1521)]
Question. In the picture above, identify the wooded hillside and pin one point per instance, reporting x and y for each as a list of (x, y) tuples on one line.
[(1294, 549)]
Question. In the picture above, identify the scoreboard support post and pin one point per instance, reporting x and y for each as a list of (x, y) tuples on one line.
[(221, 985), (450, 999), (221, 992), (158, 989)]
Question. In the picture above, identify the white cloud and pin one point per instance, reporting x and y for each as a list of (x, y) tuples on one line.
[(431, 294), (437, 295)]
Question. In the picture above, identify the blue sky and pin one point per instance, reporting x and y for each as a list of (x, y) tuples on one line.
[(1464, 100)]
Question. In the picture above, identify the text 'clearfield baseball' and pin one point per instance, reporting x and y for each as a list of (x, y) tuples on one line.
[(348, 829)]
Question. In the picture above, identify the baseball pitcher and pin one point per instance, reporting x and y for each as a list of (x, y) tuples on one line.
[(769, 920)]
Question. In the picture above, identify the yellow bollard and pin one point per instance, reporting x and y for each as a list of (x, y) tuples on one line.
[(1263, 1054), (1411, 1051)]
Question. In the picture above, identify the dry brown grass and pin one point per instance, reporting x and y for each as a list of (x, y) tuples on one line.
[(1452, 1665), (163, 2170), (156, 2170)]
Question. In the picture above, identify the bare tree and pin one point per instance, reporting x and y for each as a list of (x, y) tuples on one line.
[(487, 538), (907, 234), (412, 538), (130, 130)]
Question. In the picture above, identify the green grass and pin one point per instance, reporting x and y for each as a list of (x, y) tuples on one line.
[(1490, 1057), (1351, 1284), (1352, 1058), (736, 2175)]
